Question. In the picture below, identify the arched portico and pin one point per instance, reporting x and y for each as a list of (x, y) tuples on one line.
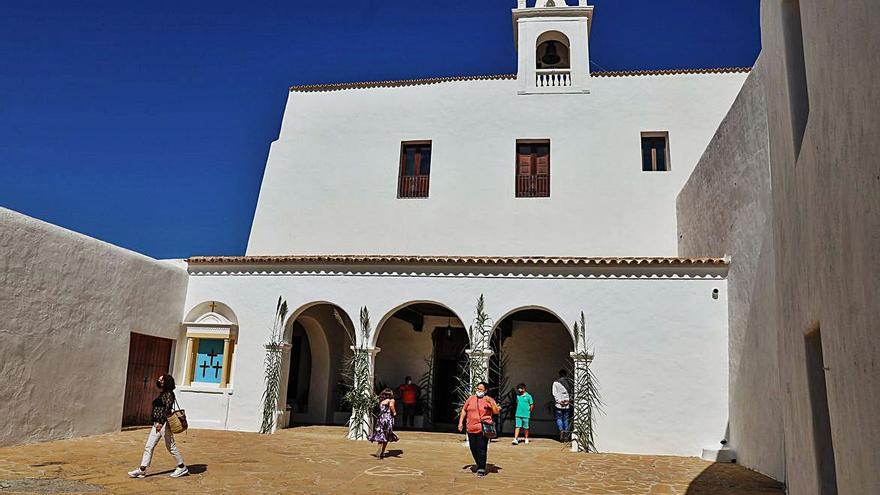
[(426, 341), (311, 388), (530, 345)]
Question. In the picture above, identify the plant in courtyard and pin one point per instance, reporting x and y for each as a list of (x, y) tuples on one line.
[(426, 390), (474, 369), (272, 368), (356, 372), (587, 401), (500, 382)]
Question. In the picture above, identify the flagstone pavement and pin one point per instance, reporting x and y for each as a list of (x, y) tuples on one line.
[(320, 460)]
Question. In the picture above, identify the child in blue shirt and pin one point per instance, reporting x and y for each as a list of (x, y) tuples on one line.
[(524, 406)]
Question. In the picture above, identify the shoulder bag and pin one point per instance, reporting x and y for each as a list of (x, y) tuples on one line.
[(177, 419), (489, 430)]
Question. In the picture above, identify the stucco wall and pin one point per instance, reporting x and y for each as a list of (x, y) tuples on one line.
[(724, 209), (404, 350), (660, 337), (69, 304), (826, 227), (330, 185)]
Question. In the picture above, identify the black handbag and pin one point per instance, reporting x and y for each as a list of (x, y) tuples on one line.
[(489, 430)]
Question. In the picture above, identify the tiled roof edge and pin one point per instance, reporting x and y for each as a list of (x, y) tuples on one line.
[(672, 72), (311, 88), (457, 260)]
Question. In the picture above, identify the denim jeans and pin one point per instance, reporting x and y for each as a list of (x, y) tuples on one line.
[(562, 419)]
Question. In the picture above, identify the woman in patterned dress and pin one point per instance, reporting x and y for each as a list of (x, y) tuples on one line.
[(384, 430)]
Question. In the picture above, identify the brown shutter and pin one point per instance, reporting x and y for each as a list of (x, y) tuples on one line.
[(524, 164), (542, 165)]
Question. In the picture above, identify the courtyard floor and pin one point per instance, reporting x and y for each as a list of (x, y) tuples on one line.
[(321, 460)]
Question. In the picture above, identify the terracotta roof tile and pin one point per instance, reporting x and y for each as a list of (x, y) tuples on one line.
[(455, 260), (393, 83)]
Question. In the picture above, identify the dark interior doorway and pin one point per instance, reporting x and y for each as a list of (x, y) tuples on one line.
[(300, 370), (449, 357), (148, 357)]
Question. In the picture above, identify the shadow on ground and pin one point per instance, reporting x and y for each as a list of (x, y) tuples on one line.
[(721, 478)]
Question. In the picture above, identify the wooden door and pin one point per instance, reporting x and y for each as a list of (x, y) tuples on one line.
[(148, 357)]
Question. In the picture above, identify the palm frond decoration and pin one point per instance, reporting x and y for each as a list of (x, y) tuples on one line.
[(474, 368), (500, 382), (357, 374), (272, 368), (587, 400), (426, 385)]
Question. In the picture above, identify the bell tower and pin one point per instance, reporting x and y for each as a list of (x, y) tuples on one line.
[(553, 47)]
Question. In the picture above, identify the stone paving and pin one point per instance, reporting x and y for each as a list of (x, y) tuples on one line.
[(320, 460)]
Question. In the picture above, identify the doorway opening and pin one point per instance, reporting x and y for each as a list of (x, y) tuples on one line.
[(530, 346), (148, 357), (312, 388), (424, 341)]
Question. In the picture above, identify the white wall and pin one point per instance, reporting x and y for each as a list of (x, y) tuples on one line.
[(826, 220), (660, 338), (724, 209), (68, 305), (403, 351), (330, 185)]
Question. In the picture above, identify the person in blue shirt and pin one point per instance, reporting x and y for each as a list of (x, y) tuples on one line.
[(524, 406)]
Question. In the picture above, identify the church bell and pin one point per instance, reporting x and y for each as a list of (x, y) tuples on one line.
[(550, 56)]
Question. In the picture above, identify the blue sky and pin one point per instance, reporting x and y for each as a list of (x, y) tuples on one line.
[(147, 124)]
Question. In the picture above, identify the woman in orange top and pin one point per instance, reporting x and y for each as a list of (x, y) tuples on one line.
[(478, 409)]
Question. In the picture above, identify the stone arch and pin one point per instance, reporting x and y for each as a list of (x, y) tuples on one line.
[(374, 337), (530, 344), (535, 307), (425, 340), (313, 328)]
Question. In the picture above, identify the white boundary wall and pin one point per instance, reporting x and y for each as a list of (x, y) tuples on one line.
[(69, 304)]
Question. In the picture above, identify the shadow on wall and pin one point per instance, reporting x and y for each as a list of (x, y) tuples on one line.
[(733, 479)]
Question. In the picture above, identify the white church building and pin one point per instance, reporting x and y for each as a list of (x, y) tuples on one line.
[(550, 192), (716, 228)]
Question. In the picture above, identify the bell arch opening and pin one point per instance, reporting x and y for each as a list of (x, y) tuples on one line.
[(426, 342), (553, 51)]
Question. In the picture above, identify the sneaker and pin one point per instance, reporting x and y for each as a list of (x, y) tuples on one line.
[(481, 473), (180, 472), (527, 441), (137, 473), (515, 442)]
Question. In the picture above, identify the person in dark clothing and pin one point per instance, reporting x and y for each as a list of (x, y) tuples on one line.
[(163, 405)]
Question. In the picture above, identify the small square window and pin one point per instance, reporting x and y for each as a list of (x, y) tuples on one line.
[(415, 169), (655, 152), (533, 168)]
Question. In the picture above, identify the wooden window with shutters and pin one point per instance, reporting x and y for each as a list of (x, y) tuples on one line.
[(415, 169), (655, 151), (533, 168)]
